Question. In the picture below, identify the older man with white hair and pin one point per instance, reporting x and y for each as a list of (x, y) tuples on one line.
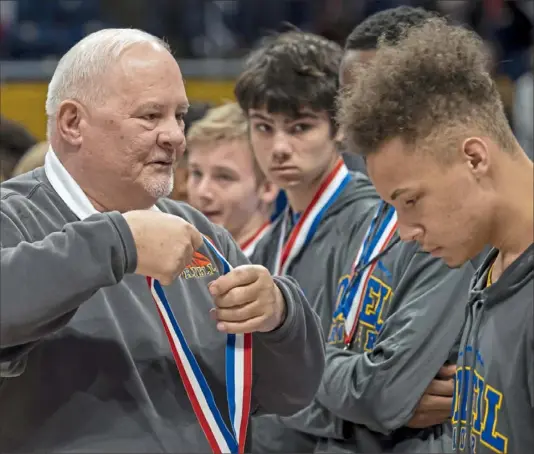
[(96, 355)]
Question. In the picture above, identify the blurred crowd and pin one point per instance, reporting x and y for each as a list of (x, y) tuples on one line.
[(32, 29)]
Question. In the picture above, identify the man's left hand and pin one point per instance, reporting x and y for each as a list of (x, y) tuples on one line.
[(247, 300)]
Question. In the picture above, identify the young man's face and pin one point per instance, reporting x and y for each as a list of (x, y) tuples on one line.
[(292, 151), (442, 206), (223, 183)]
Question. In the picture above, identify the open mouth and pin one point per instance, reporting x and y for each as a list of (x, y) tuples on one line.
[(211, 214)]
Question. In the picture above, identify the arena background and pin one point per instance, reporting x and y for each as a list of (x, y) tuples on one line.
[(210, 37)]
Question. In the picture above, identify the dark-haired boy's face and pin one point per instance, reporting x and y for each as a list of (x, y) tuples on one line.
[(440, 205), (292, 150)]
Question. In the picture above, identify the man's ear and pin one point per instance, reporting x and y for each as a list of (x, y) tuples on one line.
[(68, 120), (474, 150)]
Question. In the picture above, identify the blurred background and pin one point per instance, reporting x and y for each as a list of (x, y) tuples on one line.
[(209, 38)]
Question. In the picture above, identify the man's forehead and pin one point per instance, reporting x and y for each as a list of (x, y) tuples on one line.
[(143, 67), (392, 167)]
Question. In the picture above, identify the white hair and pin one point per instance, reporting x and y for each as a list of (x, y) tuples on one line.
[(79, 72)]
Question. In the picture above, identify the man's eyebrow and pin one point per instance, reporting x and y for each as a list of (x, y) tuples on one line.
[(397, 192), (183, 108), (151, 105)]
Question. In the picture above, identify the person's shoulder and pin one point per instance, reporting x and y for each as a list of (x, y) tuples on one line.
[(23, 189), (359, 188)]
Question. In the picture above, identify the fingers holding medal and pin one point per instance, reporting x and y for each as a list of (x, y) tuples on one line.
[(247, 300)]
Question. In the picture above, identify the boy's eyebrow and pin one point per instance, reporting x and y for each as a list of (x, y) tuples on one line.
[(306, 115), (259, 116), (299, 116)]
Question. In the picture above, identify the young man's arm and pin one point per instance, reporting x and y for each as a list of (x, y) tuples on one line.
[(382, 388)]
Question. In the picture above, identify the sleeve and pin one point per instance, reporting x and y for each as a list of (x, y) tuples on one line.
[(530, 351), (43, 282), (381, 388), (316, 419), (289, 361)]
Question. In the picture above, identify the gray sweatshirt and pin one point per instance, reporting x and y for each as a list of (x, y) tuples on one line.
[(84, 361), (409, 326), (312, 270), (494, 401)]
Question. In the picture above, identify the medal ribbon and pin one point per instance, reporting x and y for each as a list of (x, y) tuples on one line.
[(380, 232), (308, 223)]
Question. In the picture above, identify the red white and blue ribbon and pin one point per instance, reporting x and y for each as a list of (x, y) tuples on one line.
[(238, 375), (380, 232), (309, 221)]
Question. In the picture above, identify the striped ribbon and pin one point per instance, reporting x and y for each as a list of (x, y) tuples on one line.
[(380, 232), (238, 375), (308, 223)]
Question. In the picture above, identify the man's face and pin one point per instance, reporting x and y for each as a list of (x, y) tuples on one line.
[(442, 206), (292, 151), (223, 183), (134, 139)]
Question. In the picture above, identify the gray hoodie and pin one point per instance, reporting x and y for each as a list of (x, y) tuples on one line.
[(409, 326), (84, 362), (494, 399), (342, 221)]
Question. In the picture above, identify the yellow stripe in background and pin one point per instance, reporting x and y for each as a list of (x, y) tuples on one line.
[(25, 102)]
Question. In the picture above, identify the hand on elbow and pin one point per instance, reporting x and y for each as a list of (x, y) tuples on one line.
[(435, 406)]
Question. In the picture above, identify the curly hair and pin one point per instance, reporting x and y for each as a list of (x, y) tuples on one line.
[(388, 25), (289, 72), (433, 83)]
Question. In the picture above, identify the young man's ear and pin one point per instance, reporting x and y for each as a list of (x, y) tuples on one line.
[(476, 154), (268, 192)]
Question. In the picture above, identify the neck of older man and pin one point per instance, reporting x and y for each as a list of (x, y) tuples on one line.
[(104, 193)]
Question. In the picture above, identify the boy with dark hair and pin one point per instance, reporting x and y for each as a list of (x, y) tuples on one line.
[(385, 346), (442, 152), (362, 43), (389, 25)]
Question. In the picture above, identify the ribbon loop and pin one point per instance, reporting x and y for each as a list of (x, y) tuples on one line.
[(238, 375)]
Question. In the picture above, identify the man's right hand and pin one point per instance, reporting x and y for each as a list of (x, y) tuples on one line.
[(165, 243), (435, 406)]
